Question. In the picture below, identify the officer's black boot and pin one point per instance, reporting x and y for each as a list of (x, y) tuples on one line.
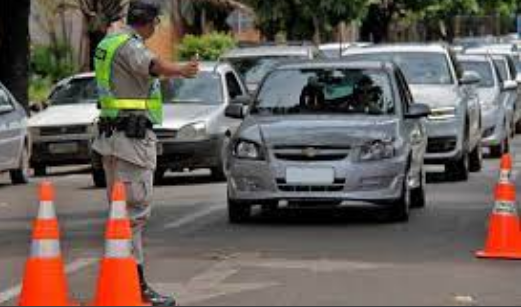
[(149, 295)]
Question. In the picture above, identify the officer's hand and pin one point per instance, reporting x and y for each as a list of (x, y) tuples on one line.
[(190, 70)]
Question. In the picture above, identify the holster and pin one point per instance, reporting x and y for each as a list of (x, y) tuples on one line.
[(134, 126)]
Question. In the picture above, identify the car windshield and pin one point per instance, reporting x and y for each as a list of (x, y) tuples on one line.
[(254, 69), (326, 91), (484, 69), (75, 91), (206, 88), (418, 68), (502, 67)]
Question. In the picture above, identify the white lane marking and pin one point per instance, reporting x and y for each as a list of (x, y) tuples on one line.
[(193, 217), (72, 268), (4, 205), (211, 284)]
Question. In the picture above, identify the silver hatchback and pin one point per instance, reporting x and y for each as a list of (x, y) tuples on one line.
[(328, 133)]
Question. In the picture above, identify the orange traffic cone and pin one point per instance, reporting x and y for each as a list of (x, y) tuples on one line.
[(504, 238), (118, 283), (45, 283), (506, 168)]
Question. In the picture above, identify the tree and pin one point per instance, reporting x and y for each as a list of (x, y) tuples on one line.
[(14, 47), (305, 19)]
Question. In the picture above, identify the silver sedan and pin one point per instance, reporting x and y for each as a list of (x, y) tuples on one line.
[(328, 133)]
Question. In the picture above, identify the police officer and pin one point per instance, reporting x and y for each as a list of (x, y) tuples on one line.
[(131, 104)]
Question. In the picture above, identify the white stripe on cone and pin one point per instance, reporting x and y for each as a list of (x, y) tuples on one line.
[(45, 249), (118, 249), (46, 211)]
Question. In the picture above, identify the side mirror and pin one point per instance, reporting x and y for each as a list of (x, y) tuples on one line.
[(417, 111), (235, 111), (470, 78), (241, 100), (510, 85)]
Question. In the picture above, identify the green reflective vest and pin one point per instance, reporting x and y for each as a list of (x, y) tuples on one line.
[(110, 105)]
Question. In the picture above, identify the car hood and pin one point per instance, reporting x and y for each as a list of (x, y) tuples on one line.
[(66, 115), (436, 96), (321, 131), (179, 115)]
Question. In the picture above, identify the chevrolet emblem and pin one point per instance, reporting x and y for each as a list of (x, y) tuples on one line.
[(310, 152)]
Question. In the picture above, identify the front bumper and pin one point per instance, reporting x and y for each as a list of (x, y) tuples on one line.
[(61, 152), (178, 156), (445, 141), (378, 183)]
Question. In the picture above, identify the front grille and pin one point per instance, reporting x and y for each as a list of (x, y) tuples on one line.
[(337, 186), (309, 154), (66, 130), (163, 134), (442, 145)]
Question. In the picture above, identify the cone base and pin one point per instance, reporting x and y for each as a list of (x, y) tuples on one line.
[(499, 255), (45, 284), (118, 284)]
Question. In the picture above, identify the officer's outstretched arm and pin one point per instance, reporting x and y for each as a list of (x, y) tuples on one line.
[(169, 69)]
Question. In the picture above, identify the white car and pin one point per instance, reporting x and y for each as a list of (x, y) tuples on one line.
[(62, 133)]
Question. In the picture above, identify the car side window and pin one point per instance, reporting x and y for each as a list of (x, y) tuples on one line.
[(234, 88), (512, 68), (4, 98)]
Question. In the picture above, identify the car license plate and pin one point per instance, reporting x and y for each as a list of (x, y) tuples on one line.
[(64, 148), (310, 176)]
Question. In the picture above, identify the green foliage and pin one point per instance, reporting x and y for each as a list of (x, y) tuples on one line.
[(209, 47), (39, 88), (53, 62)]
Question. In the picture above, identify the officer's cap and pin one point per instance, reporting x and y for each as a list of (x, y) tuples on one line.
[(143, 11)]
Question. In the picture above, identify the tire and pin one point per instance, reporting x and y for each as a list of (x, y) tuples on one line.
[(418, 195), (238, 212), (476, 159), (40, 170), (159, 175), (21, 175), (499, 150), (219, 172), (98, 177), (399, 210), (518, 127), (459, 170)]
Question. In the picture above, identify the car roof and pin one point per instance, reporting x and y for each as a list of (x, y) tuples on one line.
[(489, 50), (336, 64), (303, 51), (403, 48)]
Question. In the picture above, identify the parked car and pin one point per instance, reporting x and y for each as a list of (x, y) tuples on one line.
[(327, 133), (62, 133), (195, 130), (254, 63), (507, 63), (436, 79), (15, 141), (496, 105)]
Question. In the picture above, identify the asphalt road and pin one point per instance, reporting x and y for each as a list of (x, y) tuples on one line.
[(296, 257)]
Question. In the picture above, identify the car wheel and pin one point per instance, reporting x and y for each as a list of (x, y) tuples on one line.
[(499, 150), (239, 212), (219, 173), (418, 195), (400, 209), (40, 170), (459, 170), (476, 159), (159, 175), (21, 175)]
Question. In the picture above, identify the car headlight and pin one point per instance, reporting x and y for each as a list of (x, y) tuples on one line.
[(192, 132), (248, 150), (377, 150), (443, 113)]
